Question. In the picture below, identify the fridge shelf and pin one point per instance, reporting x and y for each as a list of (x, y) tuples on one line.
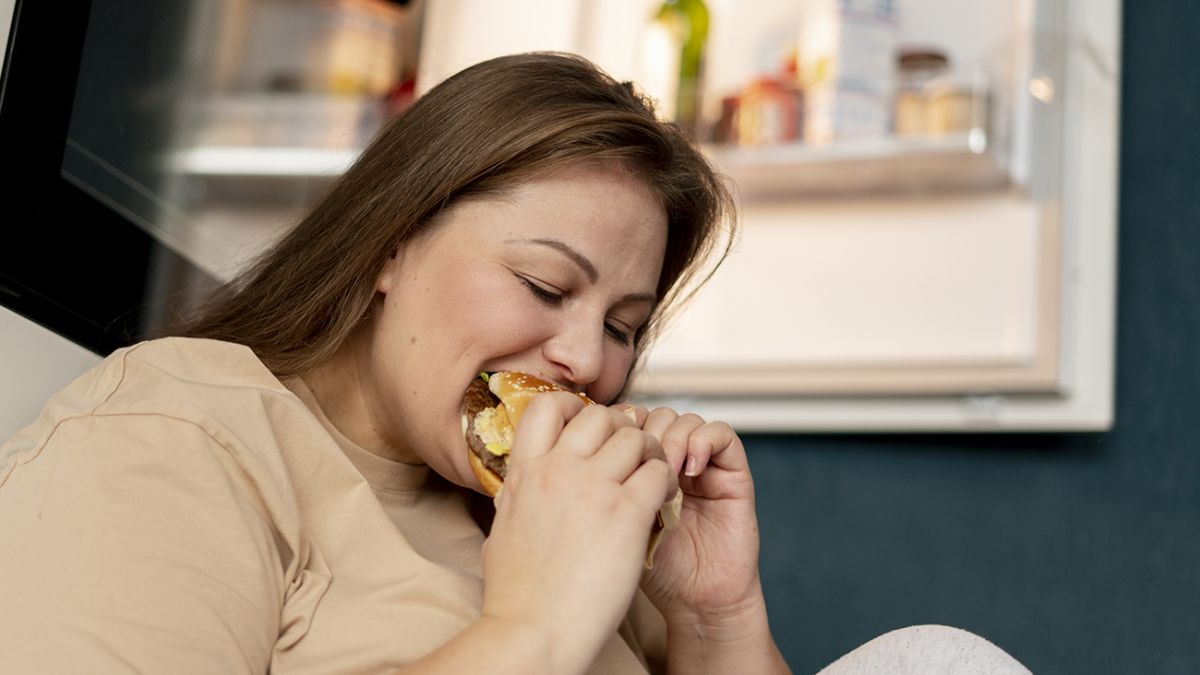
[(911, 164), (265, 162)]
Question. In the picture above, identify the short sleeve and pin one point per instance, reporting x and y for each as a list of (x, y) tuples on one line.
[(135, 543)]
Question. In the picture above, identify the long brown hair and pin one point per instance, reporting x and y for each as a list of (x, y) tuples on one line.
[(480, 132)]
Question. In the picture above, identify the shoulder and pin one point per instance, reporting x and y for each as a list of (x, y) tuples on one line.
[(188, 378), (188, 366), (182, 426), (150, 373), (143, 497), (163, 387)]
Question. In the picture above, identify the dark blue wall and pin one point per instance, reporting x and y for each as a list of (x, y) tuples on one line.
[(1076, 553)]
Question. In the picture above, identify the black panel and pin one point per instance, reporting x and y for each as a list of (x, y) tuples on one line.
[(67, 260)]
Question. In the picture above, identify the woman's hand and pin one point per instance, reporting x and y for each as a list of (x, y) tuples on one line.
[(566, 548), (705, 573)]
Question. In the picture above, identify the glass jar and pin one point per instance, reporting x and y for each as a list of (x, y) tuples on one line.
[(916, 69)]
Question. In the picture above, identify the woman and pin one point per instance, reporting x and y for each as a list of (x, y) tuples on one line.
[(285, 487)]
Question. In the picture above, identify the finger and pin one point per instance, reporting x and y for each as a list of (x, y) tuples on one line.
[(659, 420), (542, 423), (651, 484), (635, 412), (624, 452), (676, 439), (584, 434), (700, 448), (718, 443)]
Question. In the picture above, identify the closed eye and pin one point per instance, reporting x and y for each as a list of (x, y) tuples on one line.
[(617, 333), (546, 295)]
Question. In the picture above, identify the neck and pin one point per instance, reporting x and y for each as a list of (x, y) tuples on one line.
[(347, 400)]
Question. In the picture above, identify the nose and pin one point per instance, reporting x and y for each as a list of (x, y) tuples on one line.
[(576, 352)]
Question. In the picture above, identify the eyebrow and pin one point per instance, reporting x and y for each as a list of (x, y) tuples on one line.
[(564, 248), (584, 264)]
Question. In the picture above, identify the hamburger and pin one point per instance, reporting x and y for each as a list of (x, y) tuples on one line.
[(491, 409)]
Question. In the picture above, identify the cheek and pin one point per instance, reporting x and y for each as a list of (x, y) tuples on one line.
[(519, 324), (449, 302), (486, 313)]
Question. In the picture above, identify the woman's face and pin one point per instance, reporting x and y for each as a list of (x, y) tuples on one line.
[(554, 278)]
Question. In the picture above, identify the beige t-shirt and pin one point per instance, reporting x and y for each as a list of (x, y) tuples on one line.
[(178, 509)]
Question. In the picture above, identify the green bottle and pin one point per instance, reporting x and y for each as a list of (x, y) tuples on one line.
[(688, 20)]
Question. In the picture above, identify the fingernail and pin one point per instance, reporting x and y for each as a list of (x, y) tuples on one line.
[(690, 468)]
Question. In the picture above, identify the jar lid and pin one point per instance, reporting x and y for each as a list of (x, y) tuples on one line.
[(922, 59)]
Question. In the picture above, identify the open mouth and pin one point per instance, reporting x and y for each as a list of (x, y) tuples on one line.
[(491, 408)]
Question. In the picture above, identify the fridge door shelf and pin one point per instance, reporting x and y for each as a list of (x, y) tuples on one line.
[(945, 163), (264, 162)]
